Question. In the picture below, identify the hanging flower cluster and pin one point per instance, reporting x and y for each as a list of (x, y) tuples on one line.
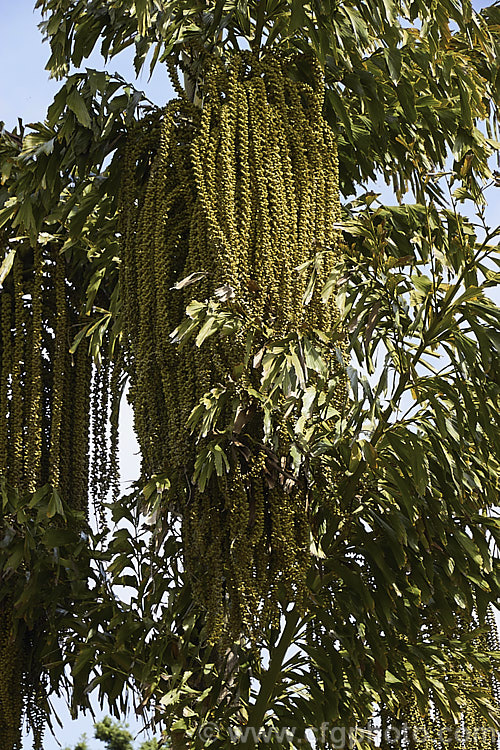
[(47, 404), (239, 193)]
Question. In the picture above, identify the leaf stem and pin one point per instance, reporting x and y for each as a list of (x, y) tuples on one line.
[(268, 683)]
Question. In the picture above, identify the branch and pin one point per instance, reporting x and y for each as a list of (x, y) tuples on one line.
[(349, 489), (268, 683)]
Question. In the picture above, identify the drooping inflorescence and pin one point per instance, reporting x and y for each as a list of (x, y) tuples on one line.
[(43, 385), (237, 192), (45, 407), (241, 191)]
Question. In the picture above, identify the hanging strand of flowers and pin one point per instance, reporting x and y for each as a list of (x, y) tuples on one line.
[(238, 194), (235, 195), (418, 720), (45, 406)]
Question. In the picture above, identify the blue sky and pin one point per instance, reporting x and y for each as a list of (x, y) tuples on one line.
[(26, 91), (25, 88)]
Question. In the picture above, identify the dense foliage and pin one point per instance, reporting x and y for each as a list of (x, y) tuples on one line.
[(115, 736), (402, 532)]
